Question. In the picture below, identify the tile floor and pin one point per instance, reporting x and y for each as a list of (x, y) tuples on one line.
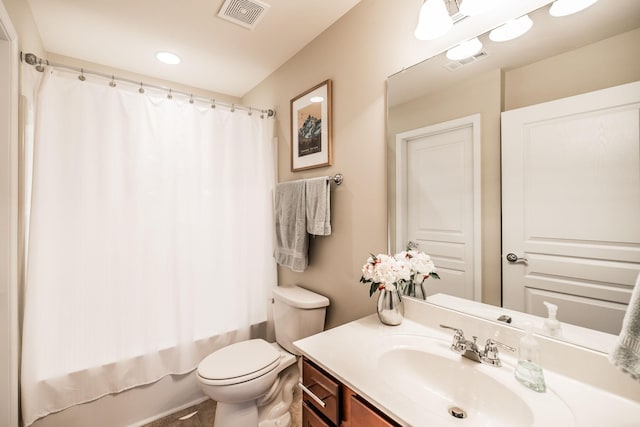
[(207, 410)]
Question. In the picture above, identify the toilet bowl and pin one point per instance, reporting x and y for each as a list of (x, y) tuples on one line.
[(252, 381)]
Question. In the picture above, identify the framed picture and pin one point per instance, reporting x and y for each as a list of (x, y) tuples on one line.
[(311, 128)]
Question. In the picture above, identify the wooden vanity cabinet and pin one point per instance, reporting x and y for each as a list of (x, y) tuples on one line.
[(337, 405), (311, 419), (327, 392)]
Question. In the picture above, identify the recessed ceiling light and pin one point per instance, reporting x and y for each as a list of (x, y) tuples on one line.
[(316, 99), (168, 58)]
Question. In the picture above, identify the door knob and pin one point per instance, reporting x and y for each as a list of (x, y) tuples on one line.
[(513, 258)]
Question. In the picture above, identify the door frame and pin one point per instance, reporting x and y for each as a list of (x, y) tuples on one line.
[(402, 140), (9, 217)]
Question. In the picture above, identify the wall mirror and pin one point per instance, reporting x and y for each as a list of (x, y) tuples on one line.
[(559, 57)]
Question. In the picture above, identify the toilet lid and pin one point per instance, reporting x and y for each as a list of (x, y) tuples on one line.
[(240, 360)]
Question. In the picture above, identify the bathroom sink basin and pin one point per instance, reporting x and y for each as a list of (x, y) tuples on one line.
[(427, 373)]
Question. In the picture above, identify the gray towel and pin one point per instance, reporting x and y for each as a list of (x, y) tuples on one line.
[(318, 206), (626, 353), (292, 241)]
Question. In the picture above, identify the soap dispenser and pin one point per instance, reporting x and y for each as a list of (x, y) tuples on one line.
[(528, 370), (551, 325)]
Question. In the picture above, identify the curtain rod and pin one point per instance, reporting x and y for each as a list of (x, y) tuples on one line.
[(39, 64)]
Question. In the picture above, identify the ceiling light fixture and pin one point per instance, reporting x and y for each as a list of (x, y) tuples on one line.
[(434, 20), (476, 7), (569, 7), (511, 29), (168, 58), (465, 49)]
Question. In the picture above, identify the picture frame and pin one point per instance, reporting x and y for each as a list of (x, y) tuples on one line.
[(311, 128)]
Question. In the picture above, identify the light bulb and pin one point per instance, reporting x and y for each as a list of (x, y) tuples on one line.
[(465, 49), (569, 7), (434, 20), (512, 29)]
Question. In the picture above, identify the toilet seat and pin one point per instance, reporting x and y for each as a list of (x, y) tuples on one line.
[(239, 362)]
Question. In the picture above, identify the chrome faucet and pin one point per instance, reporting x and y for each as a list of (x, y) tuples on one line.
[(469, 349)]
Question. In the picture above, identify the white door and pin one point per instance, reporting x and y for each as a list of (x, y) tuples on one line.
[(571, 206), (439, 196)]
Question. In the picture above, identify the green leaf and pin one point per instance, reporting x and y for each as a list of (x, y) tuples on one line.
[(434, 275), (373, 289)]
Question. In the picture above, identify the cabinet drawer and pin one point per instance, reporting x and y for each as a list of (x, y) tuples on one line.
[(325, 388), (311, 419)]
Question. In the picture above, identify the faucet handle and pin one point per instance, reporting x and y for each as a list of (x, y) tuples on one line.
[(490, 354), (459, 345), (458, 332), (492, 342)]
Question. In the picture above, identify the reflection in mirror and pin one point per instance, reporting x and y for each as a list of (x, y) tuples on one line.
[(559, 57)]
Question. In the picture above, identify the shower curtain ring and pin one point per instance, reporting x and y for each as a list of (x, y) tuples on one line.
[(141, 90), (169, 95), (213, 103), (191, 99), (250, 112), (112, 83), (233, 107), (81, 77)]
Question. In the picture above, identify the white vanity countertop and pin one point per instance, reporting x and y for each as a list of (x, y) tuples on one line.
[(350, 353)]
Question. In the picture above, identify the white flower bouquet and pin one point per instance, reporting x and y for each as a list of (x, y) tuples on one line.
[(420, 264), (393, 272)]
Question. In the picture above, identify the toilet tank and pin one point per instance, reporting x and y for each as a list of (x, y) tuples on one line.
[(297, 313)]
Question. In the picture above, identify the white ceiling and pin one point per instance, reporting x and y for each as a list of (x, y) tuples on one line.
[(217, 55)]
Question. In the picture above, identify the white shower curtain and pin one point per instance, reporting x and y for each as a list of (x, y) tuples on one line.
[(150, 238)]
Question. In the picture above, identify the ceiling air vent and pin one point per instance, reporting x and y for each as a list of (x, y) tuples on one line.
[(243, 12), (454, 65)]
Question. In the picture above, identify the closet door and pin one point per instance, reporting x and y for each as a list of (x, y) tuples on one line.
[(571, 206)]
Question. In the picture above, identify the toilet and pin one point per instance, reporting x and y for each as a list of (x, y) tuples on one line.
[(252, 381)]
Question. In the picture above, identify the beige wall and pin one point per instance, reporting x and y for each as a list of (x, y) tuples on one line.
[(482, 95), (371, 42), (610, 62), (28, 35)]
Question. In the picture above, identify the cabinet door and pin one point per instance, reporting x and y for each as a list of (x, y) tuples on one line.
[(325, 388), (359, 413), (311, 419)]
